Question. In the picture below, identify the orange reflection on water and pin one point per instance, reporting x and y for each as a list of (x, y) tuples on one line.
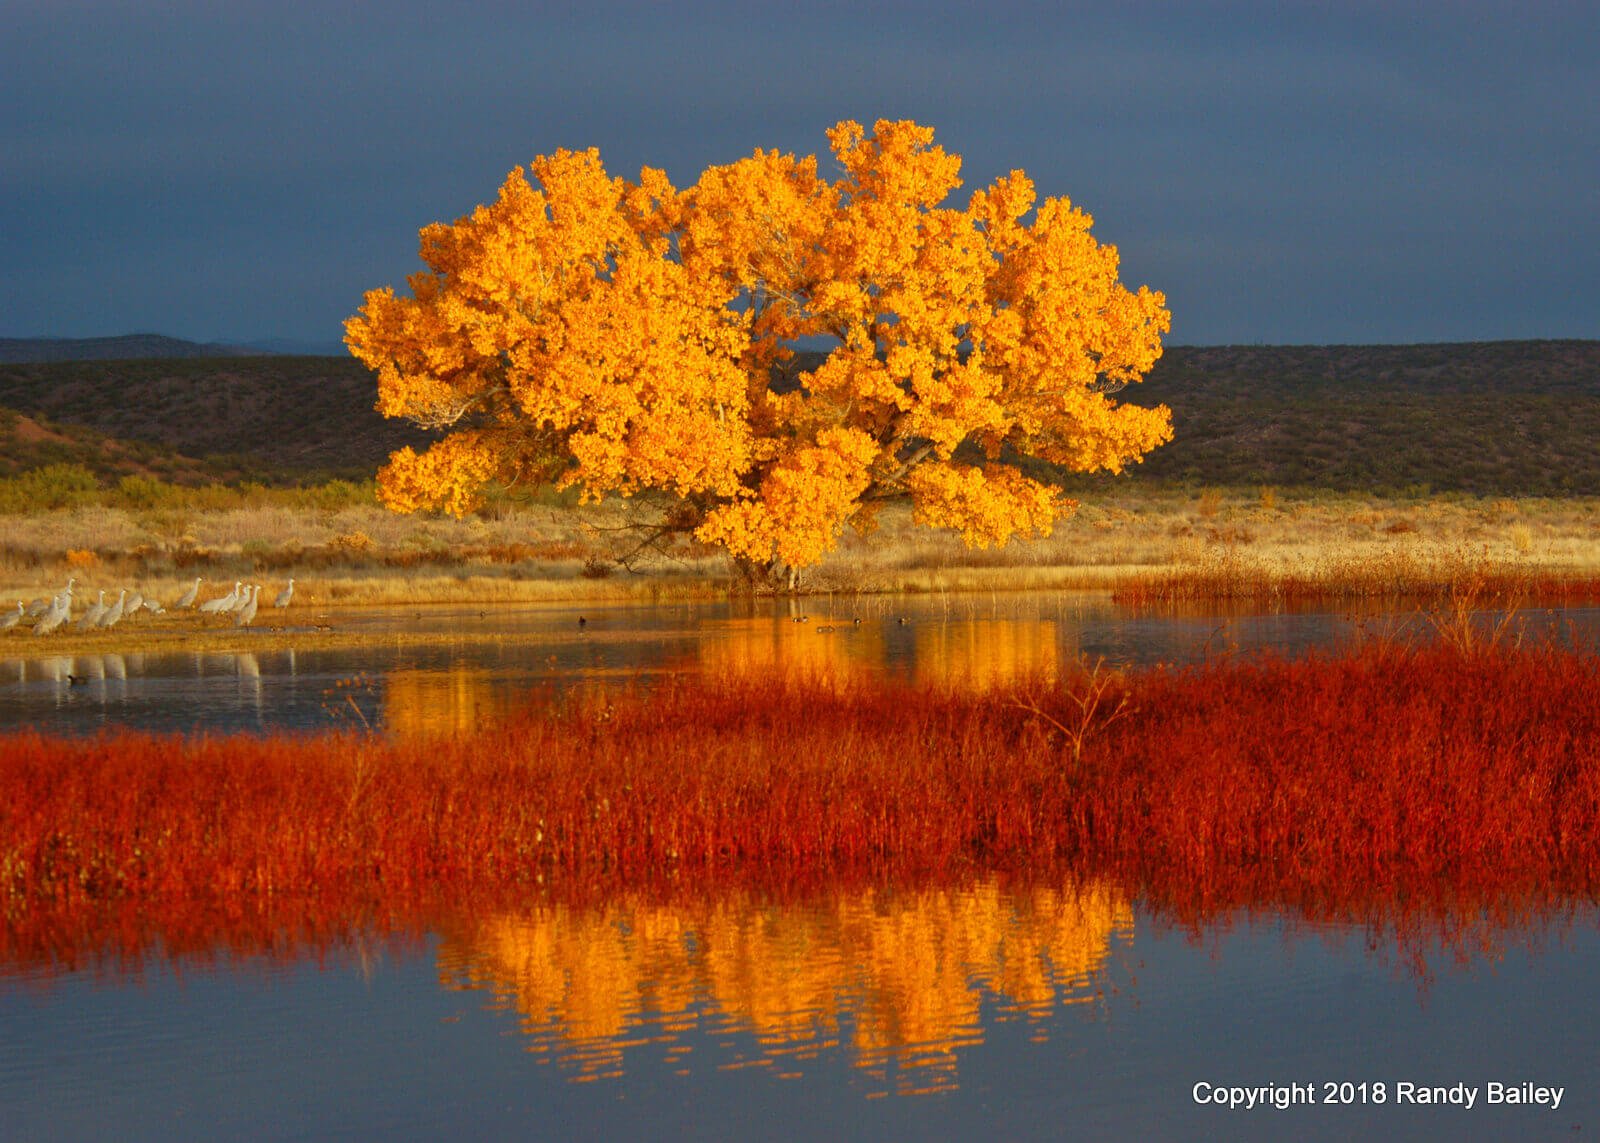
[(979, 654), (802, 646), (898, 978), (963, 654), (459, 700)]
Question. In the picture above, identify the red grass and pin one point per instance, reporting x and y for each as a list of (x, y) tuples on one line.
[(1333, 785)]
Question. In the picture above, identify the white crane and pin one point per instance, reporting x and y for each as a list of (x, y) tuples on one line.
[(13, 618), (187, 598), (222, 602), (45, 602), (91, 618), (285, 595), (51, 619), (135, 601), (114, 614), (248, 611)]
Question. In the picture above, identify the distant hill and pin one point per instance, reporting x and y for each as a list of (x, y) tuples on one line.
[(1488, 418), (265, 418), (32, 442), (1503, 418), (138, 345)]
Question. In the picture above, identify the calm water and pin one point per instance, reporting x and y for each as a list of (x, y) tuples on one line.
[(477, 663), (977, 1011), (984, 1009)]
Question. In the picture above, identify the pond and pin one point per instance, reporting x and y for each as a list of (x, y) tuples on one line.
[(989, 1009), (998, 1006), (447, 669)]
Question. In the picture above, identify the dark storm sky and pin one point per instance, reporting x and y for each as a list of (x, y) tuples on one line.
[(1297, 172)]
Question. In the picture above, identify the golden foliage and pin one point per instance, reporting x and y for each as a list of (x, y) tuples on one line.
[(625, 337)]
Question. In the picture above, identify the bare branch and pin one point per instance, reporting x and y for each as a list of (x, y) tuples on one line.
[(446, 413)]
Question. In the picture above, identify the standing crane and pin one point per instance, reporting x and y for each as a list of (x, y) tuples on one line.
[(248, 612), (222, 602), (91, 618), (113, 614), (188, 597)]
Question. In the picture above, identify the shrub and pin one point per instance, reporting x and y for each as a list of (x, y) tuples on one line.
[(142, 493), (45, 489)]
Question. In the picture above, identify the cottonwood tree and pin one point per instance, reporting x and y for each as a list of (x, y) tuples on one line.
[(635, 340)]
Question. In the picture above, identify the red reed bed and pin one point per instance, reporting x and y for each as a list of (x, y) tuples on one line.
[(1328, 780)]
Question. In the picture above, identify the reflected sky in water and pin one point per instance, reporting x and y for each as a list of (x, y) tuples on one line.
[(473, 664), (987, 1009)]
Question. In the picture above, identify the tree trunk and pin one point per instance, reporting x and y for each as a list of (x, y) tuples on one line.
[(764, 577)]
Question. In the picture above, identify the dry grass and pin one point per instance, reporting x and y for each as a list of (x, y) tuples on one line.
[(1214, 539)]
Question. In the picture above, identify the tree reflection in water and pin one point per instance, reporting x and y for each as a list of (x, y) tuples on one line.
[(896, 978)]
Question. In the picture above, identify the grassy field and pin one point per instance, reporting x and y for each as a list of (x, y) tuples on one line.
[(1243, 543)]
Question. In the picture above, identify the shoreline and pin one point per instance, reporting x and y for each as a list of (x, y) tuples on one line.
[(321, 618)]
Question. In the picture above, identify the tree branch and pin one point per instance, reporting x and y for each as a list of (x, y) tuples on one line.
[(445, 414)]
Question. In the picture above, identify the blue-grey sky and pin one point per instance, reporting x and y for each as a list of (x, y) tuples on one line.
[(1285, 172)]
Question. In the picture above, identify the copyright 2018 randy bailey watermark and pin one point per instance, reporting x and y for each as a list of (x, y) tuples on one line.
[(1403, 1093)]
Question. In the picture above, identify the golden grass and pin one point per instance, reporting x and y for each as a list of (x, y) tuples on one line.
[(1221, 542)]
